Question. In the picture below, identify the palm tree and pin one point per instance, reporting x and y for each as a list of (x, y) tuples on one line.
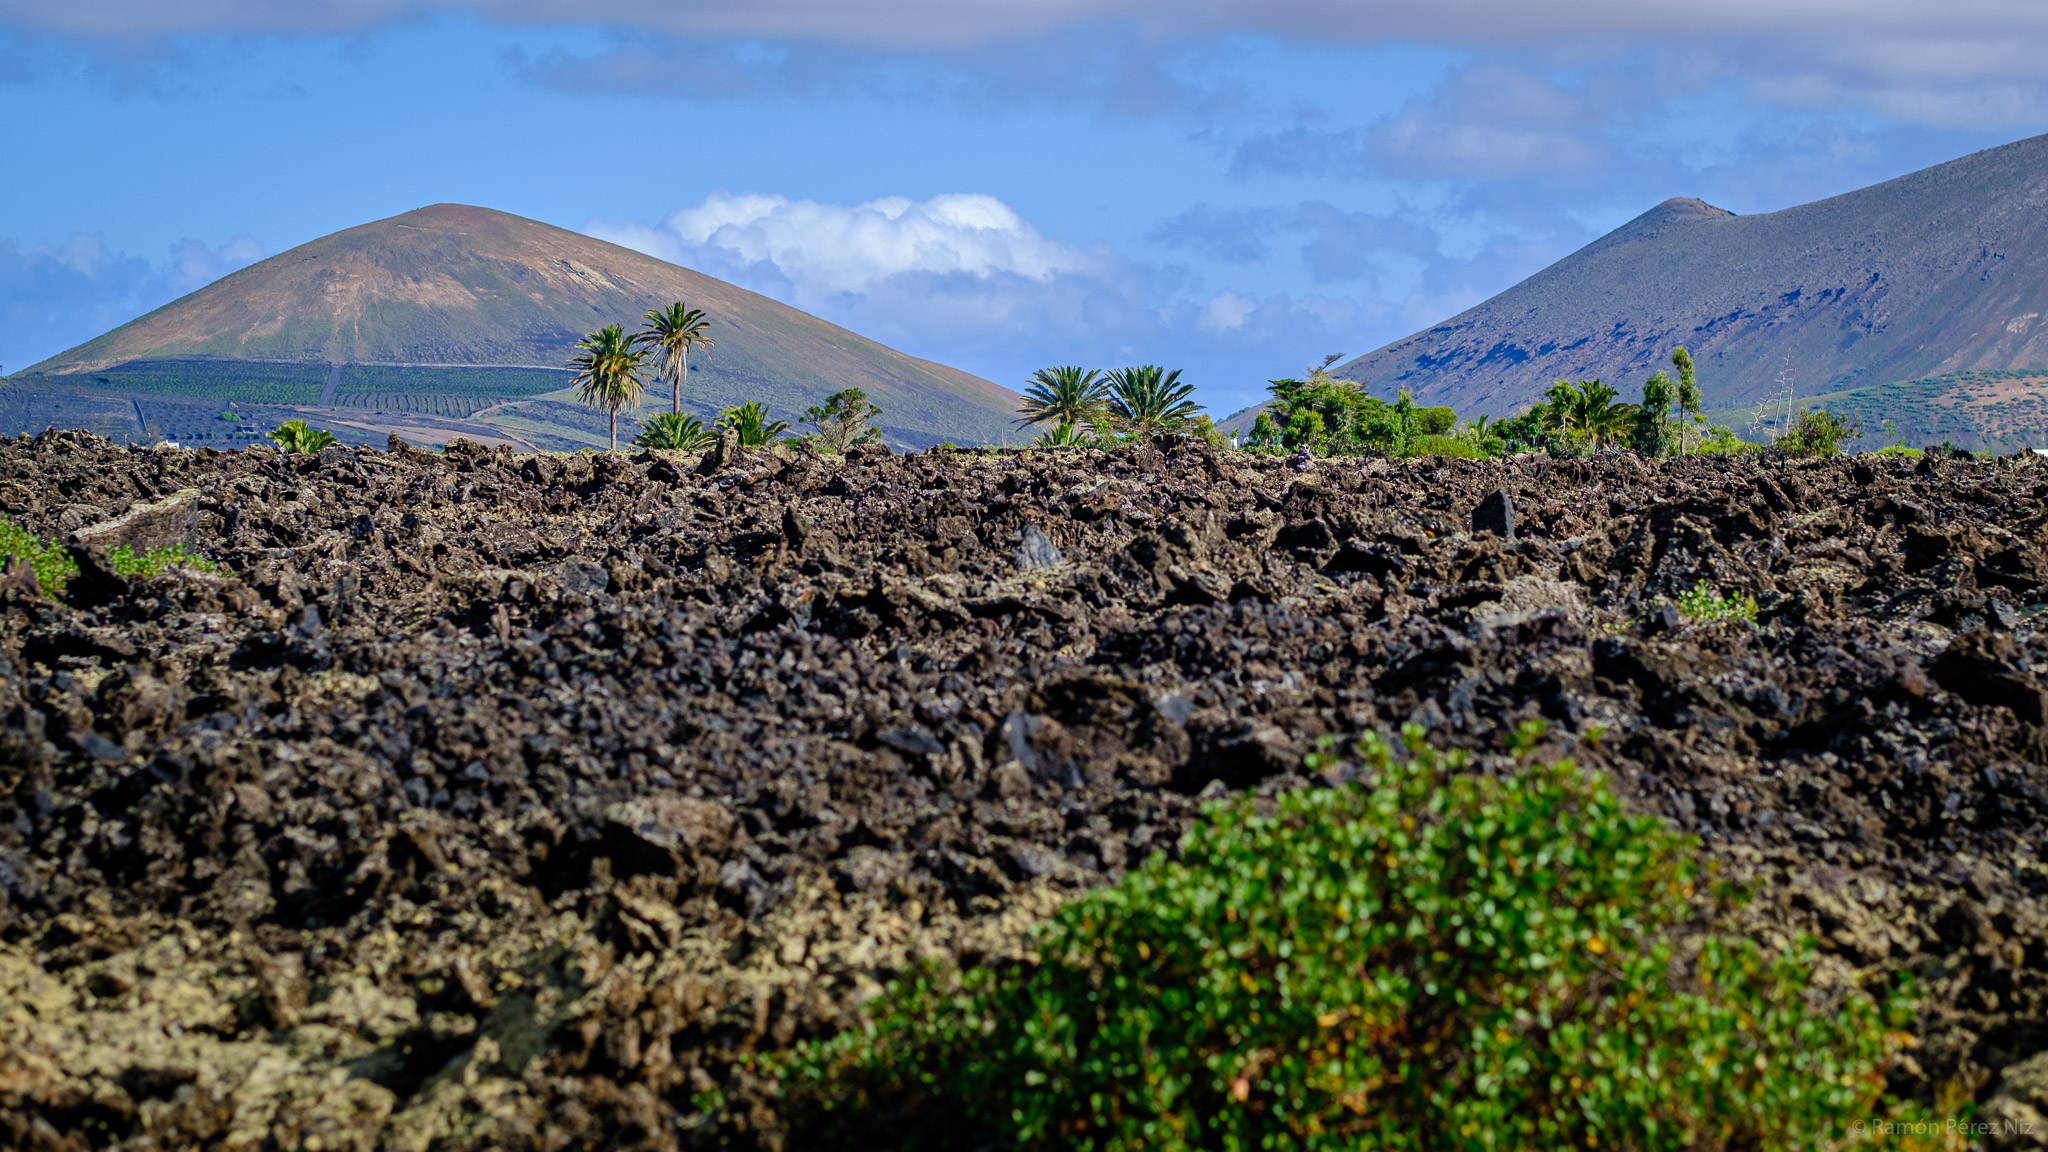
[(1149, 399), (608, 373), (750, 424), (672, 331), (1063, 435), (674, 432), (1065, 395), (1588, 408)]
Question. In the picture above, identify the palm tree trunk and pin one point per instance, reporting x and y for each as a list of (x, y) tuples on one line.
[(615, 431), (683, 379), (676, 378)]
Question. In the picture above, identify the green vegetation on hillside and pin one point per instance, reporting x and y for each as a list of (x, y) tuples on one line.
[(1432, 958), (1328, 415)]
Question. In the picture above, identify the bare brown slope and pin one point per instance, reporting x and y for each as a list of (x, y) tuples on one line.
[(1939, 271), (459, 285)]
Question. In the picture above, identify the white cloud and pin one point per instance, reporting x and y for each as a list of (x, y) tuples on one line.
[(823, 250), (1228, 311)]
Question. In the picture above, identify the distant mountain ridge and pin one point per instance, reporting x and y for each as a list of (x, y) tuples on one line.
[(1940, 271), (444, 300)]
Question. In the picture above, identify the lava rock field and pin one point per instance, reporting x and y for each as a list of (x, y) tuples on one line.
[(494, 801)]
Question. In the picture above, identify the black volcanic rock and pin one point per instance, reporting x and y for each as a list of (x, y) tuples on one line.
[(496, 802)]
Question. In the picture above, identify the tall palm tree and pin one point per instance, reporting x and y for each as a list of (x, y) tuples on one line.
[(672, 332), (608, 373), (1149, 399), (1065, 395)]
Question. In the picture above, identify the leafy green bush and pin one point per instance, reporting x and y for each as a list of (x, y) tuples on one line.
[(52, 563), (1433, 959), (674, 432), (1702, 603), (157, 560), (1721, 441), (1433, 445), (1819, 432), (297, 436), (1898, 450)]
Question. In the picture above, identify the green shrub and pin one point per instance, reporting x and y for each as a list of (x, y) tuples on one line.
[(1721, 441), (1819, 432), (52, 563), (157, 560), (1433, 959), (297, 436), (1702, 603), (1433, 445)]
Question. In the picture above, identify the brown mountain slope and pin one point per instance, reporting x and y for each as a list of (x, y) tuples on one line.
[(1940, 271), (457, 287)]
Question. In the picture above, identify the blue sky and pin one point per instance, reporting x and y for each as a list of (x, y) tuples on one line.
[(1230, 188)]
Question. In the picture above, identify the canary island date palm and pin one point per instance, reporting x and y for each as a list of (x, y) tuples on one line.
[(674, 432), (672, 332), (1070, 395), (750, 424), (1148, 399), (608, 373)]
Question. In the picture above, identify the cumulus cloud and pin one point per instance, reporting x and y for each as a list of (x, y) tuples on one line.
[(817, 251), (56, 296), (965, 280)]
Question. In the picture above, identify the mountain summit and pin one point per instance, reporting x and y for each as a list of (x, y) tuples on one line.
[(1938, 272), (446, 299)]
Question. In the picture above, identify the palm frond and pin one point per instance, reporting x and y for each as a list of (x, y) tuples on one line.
[(1068, 394)]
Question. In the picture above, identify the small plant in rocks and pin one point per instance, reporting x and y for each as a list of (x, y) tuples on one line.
[(1429, 958), (51, 563), (1701, 604), (155, 561)]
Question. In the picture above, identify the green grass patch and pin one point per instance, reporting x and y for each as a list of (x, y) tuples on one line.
[(156, 561), (1431, 959), (52, 563)]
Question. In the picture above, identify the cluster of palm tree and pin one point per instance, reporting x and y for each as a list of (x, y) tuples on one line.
[(610, 367), (1588, 409), (1077, 405)]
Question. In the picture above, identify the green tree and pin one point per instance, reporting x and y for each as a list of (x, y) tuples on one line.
[(843, 421), (298, 436), (1688, 394), (750, 424), (674, 432), (672, 332), (608, 371), (1069, 394), (1653, 431), (1148, 399)]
